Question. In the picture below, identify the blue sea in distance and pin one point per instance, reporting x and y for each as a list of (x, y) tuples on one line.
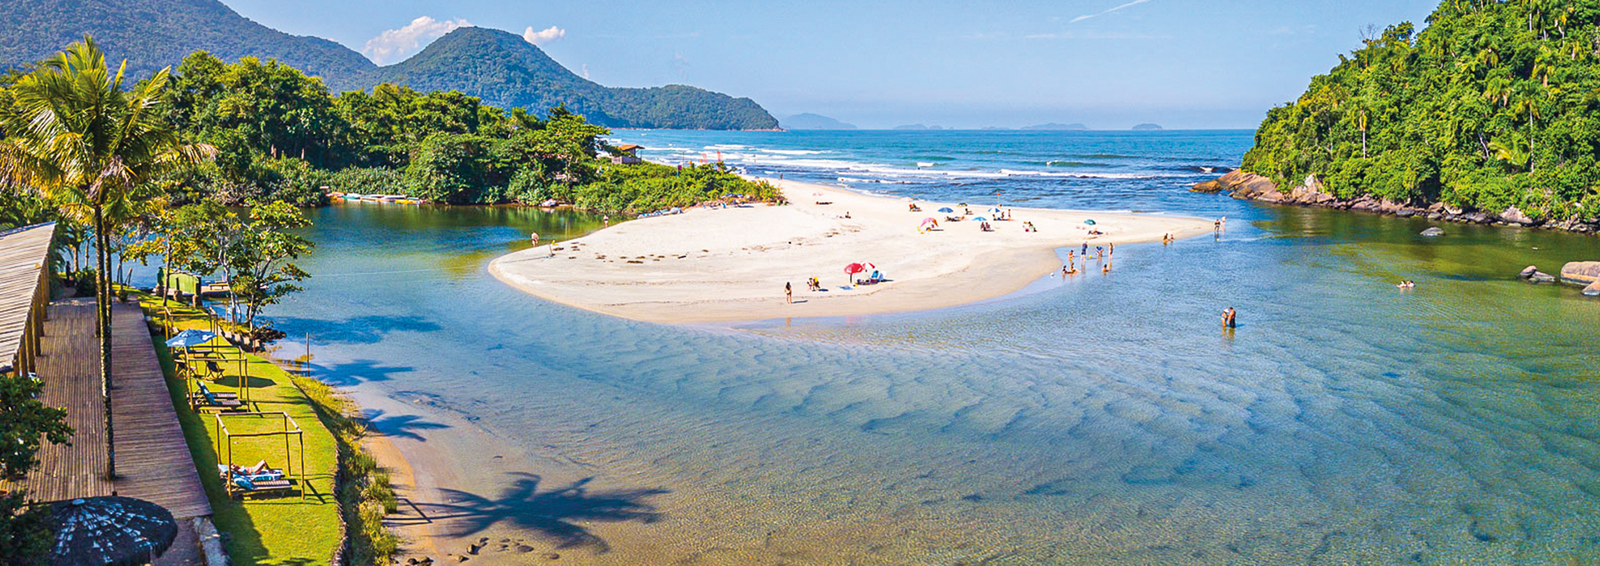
[(1104, 419), (1094, 170)]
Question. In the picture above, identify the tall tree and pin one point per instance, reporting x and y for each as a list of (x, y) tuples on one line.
[(78, 134)]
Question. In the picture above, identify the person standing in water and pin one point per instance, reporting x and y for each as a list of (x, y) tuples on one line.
[(1230, 318)]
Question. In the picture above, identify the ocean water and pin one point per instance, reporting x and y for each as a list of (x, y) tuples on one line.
[(1103, 419)]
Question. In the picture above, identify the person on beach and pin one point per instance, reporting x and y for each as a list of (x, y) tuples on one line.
[(606, 219), (1086, 249), (788, 293), (1113, 251)]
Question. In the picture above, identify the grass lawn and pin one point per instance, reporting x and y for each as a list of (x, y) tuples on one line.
[(261, 529)]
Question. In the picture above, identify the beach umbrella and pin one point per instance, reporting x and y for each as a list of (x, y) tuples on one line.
[(189, 338), (854, 268), (930, 220), (946, 210), (110, 531), (995, 211), (1089, 222), (980, 219)]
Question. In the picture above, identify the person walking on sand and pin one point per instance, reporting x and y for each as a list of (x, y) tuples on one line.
[(788, 293)]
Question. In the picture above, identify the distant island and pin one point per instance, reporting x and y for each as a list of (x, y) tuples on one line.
[(1052, 126), (809, 121), (918, 128), (499, 67), (1147, 128)]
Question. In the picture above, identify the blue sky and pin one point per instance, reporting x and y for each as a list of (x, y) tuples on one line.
[(1106, 63)]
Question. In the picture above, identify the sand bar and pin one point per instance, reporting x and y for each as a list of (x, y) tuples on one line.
[(730, 264)]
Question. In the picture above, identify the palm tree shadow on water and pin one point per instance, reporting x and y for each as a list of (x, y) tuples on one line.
[(551, 514)]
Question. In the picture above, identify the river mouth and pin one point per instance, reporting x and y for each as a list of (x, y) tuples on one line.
[(1094, 420)]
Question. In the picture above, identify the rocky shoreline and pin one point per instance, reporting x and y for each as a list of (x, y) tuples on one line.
[(1250, 186)]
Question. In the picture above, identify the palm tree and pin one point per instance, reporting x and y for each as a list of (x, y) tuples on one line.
[(87, 142)]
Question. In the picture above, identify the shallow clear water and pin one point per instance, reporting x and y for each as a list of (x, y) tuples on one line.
[(1101, 419)]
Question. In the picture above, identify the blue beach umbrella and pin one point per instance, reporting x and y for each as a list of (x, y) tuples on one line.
[(980, 219), (946, 210), (1089, 222), (189, 338)]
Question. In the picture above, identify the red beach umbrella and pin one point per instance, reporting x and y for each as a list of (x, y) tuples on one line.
[(854, 268)]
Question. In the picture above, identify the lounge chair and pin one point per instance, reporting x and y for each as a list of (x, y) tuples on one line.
[(253, 475), (243, 486), (207, 399), (221, 396)]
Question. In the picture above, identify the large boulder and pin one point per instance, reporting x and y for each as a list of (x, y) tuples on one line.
[(1250, 186), (1593, 290), (1581, 272), (1527, 272), (1514, 215), (1212, 186)]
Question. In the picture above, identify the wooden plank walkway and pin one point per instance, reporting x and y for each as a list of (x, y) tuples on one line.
[(153, 461), (23, 252), (69, 366)]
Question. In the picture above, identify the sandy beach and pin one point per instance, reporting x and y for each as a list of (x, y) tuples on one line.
[(731, 264)]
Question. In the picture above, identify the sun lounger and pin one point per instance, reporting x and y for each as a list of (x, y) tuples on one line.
[(207, 399), (244, 486), (254, 477)]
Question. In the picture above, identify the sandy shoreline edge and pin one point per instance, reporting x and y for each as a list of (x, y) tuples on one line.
[(730, 265)]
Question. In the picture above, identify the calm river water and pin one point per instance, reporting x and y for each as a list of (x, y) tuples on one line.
[(1104, 419)]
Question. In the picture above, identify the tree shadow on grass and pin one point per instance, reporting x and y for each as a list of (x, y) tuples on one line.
[(401, 426), (551, 514)]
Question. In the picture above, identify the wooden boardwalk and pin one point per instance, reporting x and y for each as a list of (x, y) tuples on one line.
[(153, 461), (69, 366)]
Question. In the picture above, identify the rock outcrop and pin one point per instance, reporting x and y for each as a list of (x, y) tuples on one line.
[(1593, 290), (1581, 272), (1311, 192)]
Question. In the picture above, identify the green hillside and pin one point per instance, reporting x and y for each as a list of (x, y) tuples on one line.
[(1492, 106), (505, 71), (496, 66), (152, 34)]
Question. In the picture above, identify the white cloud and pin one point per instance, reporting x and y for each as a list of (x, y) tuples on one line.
[(393, 45), (1087, 16), (543, 36)]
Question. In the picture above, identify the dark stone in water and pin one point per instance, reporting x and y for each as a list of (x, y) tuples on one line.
[(524, 549)]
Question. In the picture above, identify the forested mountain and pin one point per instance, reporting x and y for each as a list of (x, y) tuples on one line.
[(506, 71), (1495, 107), (499, 67), (152, 34)]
